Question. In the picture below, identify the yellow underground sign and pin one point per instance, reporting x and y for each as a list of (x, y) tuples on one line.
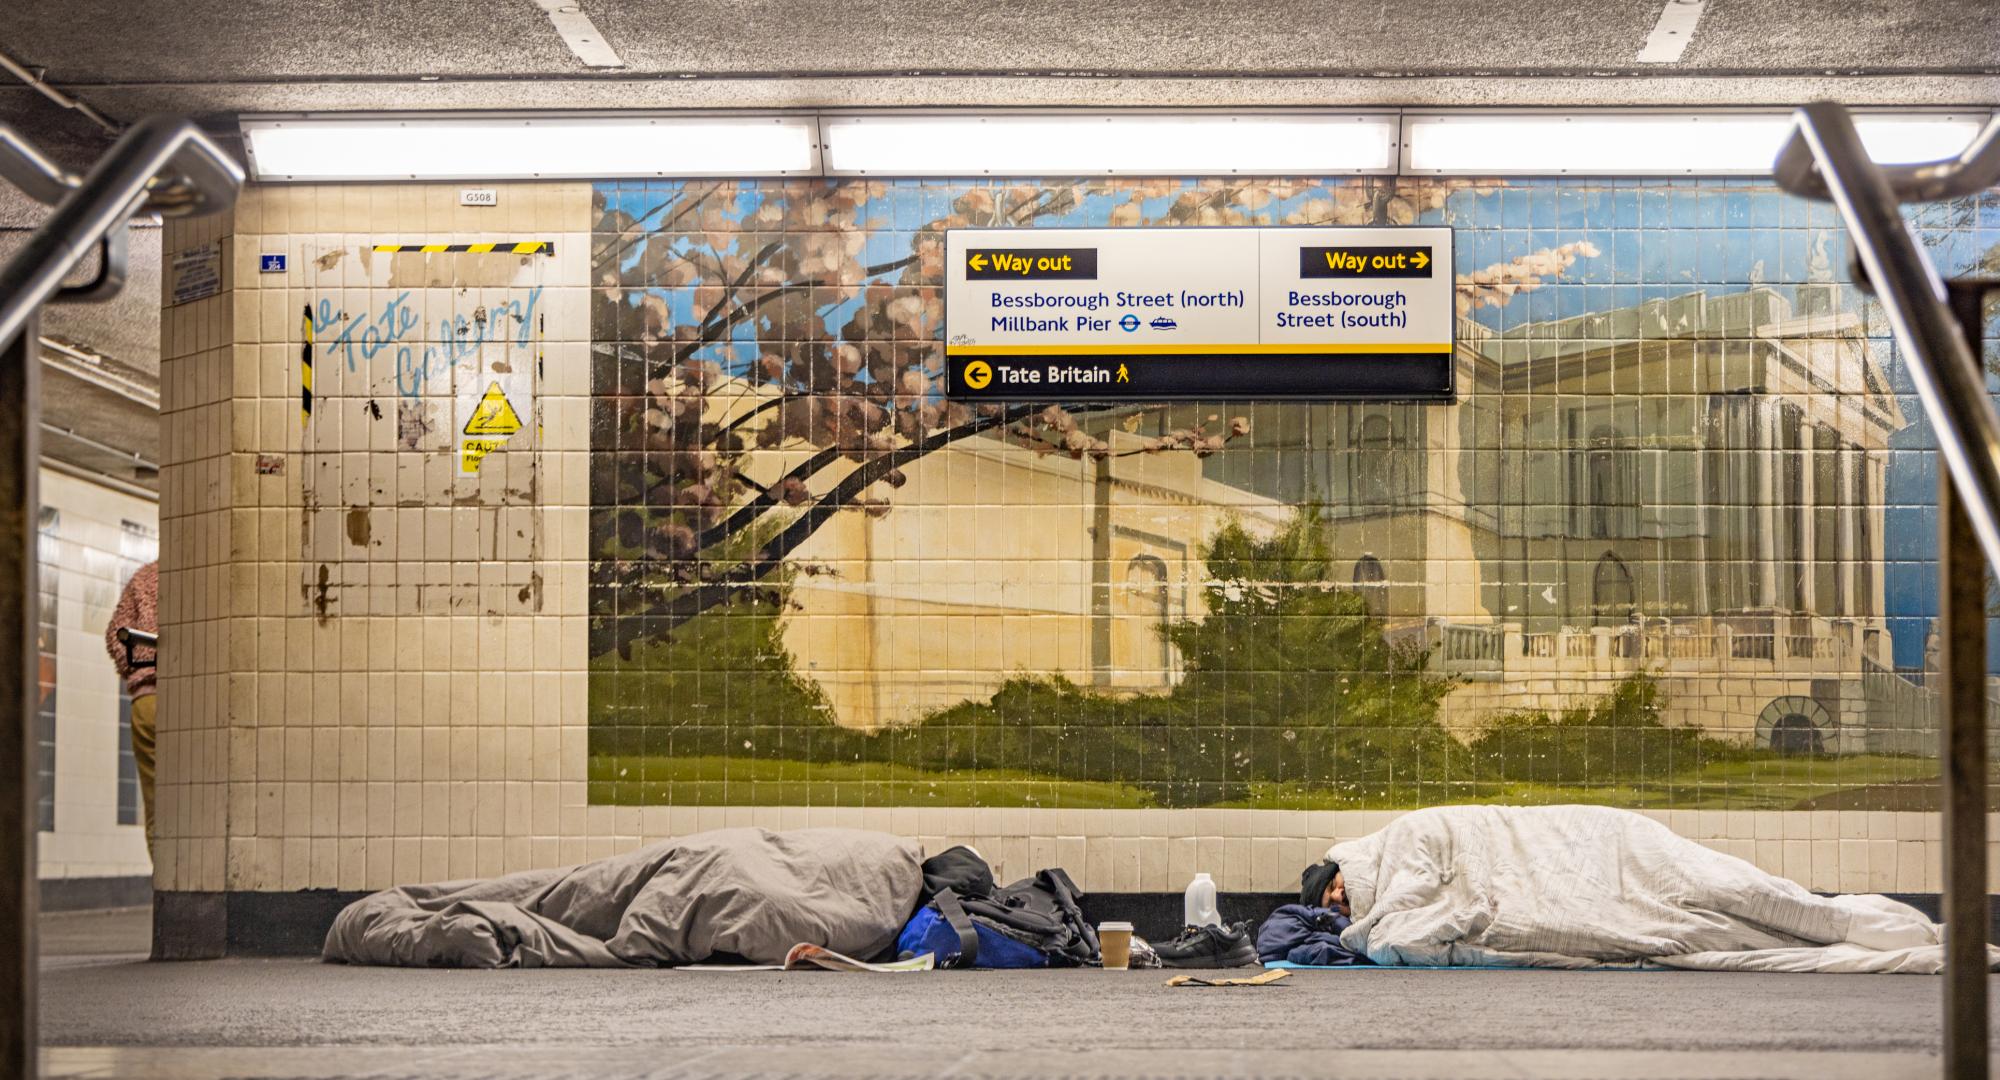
[(1400, 261), (978, 374), (1031, 264)]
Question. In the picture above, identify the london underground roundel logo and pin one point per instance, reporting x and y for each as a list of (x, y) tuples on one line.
[(1129, 323)]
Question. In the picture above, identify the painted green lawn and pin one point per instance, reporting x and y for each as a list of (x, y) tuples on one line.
[(1758, 784), (720, 781), (1764, 783)]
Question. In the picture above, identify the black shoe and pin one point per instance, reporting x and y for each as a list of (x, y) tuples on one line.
[(1209, 947)]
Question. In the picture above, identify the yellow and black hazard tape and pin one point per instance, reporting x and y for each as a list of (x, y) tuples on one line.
[(504, 247), (306, 373)]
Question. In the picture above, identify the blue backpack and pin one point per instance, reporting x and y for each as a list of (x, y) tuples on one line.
[(928, 931), (967, 922)]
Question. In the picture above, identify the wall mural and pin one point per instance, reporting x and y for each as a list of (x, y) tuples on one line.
[(1672, 546)]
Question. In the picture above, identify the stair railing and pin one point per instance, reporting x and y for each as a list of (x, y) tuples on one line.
[(1938, 329), (160, 165)]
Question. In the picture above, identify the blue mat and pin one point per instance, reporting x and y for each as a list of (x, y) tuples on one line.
[(1287, 965)]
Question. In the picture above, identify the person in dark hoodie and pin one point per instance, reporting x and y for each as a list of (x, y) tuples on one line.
[(1308, 932)]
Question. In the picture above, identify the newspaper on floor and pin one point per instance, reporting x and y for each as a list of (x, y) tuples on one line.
[(805, 955), (1266, 979)]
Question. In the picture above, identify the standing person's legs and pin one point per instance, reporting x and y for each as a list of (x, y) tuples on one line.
[(144, 708)]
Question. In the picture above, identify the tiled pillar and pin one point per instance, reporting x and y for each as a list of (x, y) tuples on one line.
[(204, 659), (372, 663)]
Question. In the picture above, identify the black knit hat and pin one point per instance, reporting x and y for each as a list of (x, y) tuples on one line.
[(1313, 883)]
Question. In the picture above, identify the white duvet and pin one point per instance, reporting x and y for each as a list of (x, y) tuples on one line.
[(1584, 886)]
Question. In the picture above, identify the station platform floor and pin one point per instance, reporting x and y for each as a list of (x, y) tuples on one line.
[(107, 1012)]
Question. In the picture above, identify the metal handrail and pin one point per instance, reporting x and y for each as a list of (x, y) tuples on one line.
[(1975, 169), (1938, 328), (1824, 159), (24, 166), (161, 164)]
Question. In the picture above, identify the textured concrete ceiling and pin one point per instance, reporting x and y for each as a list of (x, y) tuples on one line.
[(200, 41), (217, 58)]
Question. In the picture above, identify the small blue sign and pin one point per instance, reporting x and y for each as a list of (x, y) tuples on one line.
[(1129, 323), (271, 264)]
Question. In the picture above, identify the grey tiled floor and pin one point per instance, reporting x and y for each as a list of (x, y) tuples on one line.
[(108, 1013), (505, 1063)]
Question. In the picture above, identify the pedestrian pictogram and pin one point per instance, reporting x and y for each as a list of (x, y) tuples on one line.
[(494, 415), (978, 374)]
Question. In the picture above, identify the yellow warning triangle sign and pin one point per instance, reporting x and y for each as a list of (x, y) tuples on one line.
[(494, 416)]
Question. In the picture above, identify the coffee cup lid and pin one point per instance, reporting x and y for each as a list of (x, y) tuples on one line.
[(1125, 926)]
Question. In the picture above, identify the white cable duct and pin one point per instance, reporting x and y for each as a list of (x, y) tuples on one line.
[(1672, 33), (137, 459), (22, 72), (580, 34), (89, 367), (102, 479)]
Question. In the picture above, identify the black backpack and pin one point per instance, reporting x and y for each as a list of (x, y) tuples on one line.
[(1041, 912)]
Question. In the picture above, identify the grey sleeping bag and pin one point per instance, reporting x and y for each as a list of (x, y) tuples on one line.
[(745, 892)]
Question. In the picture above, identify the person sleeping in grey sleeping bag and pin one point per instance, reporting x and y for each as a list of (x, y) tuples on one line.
[(747, 893)]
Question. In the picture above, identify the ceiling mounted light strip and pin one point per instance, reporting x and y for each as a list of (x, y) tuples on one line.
[(554, 146), (1612, 143), (1109, 144), (1296, 143)]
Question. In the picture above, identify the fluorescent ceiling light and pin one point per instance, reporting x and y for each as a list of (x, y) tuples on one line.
[(1638, 144), (526, 148), (1130, 144)]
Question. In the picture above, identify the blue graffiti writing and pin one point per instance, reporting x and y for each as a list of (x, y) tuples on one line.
[(390, 325), (458, 339), (359, 339)]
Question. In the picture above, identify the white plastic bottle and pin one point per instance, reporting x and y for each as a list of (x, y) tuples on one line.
[(1199, 905)]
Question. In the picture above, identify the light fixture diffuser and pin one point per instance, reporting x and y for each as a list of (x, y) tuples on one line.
[(1109, 144), (1652, 144), (528, 148)]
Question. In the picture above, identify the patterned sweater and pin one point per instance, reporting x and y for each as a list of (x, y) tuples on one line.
[(139, 608)]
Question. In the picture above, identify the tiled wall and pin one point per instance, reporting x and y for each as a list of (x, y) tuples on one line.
[(380, 668), (93, 539)]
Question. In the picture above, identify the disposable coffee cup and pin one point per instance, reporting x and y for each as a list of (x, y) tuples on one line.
[(1114, 941)]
